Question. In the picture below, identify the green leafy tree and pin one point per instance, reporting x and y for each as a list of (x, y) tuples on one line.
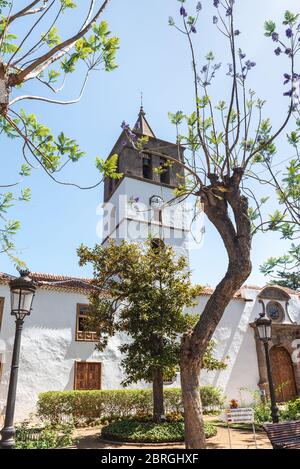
[(284, 270), (142, 291), (42, 59)]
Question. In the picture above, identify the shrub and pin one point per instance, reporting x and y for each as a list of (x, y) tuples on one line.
[(292, 411), (262, 413), (43, 438), (90, 407), (131, 430)]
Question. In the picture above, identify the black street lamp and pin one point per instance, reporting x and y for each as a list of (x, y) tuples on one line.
[(22, 291), (264, 327)]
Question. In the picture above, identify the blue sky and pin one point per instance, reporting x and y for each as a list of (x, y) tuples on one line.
[(154, 58)]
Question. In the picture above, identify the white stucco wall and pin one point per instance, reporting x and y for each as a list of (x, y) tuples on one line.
[(49, 349), (235, 340)]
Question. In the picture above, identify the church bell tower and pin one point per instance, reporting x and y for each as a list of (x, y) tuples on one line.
[(142, 204)]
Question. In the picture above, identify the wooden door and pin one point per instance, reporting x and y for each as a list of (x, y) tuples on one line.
[(87, 376), (283, 374)]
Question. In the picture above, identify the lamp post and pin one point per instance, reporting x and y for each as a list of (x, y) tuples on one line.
[(22, 291), (264, 327)]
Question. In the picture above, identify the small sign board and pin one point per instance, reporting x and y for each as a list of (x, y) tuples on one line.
[(240, 415)]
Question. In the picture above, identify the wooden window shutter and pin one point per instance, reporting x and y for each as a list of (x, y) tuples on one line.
[(87, 376)]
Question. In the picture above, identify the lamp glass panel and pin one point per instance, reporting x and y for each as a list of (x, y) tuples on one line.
[(21, 300)]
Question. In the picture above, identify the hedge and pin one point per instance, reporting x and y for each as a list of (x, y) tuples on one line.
[(130, 430), (86, 407)]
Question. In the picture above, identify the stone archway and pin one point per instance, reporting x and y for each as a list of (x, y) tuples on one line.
[(283, 374)]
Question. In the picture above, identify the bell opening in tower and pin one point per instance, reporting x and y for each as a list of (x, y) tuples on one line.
[(147, 167), (165, 172)]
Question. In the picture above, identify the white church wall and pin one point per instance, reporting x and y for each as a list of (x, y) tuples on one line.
[(235, 339), (49, 350), (236, 346)]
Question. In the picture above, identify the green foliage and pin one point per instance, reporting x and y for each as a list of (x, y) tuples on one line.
[(262, 413), (39, 144), (287, 413), (90, 407), (290, 19), (109, 167), (9, 227), (270, 28), (148, 432), (48, 437), (284, 270), (292, 411), (51, 38), (154, 288), (100, 43), (67, 4)]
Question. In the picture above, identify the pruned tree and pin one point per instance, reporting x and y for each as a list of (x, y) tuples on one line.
[(42, 59), (227, 141), (142, 291)]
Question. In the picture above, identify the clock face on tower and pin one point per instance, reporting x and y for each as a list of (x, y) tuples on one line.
[(156, 201)]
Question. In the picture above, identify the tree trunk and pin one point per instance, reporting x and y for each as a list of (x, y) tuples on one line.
[(194, 425), (221, 201), (158, 395)]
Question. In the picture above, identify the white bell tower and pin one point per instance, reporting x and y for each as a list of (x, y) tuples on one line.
[(140, 205)]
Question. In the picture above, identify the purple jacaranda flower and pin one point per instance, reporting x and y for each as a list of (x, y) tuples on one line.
[(216, 3), (229, 11), (275, 37), (183, 11), (237, 32), (199, 6), (242, 55), (137, 199), (125, 126), (215, 19), (289, 32), (193, 29), (250, 64), (289, 93), (278, 51), (289, 52), (287, 78)]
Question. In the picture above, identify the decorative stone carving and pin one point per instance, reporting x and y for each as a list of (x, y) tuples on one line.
[(274, 293)]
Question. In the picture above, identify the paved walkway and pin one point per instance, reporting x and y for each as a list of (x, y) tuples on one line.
[(88, 438)]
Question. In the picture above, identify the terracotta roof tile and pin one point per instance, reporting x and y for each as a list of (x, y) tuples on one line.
[(83, 285), (56, 282)]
